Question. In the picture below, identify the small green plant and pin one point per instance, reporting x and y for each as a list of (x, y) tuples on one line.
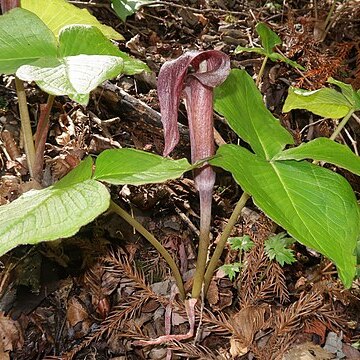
[(68, 54), (275, 247), (269, 40), (125, 8)]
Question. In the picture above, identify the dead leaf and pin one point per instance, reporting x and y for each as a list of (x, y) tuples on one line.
[(308, 351), (247, 322), (11, 337)]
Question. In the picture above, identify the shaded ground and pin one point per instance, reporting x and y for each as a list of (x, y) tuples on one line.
[(93, 296)]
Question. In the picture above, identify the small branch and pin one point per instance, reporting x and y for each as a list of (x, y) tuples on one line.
[(153, 241), (224, 236), (25, 125)]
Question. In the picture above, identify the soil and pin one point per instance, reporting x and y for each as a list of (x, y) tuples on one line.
[(104, 292)]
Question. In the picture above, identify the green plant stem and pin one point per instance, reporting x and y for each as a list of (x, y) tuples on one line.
[(261, 71), (153, 241), (25, 125), (222, 241), (204, 242), (329, 15), (341, 125), (40, 137)]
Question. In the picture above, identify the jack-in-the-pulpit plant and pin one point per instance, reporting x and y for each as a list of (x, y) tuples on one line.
[(176, 81)]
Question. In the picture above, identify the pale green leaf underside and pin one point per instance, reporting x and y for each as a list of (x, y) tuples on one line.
[(324, 102), (324, 149), (135, 167), (23, 39), (58, 13), (74, 76), (51, 213), (240, 102), (316, 206)]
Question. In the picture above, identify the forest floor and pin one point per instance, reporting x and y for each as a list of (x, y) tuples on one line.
[(97, 294)]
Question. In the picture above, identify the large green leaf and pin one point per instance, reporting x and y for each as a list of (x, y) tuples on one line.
[(58, 13), (89, 40), (24, 38), (51, 213), (240, 102), (135, 167), (349, 92), (74, 76), (324, 102), (316, 206), (324, 149), (125, 8)]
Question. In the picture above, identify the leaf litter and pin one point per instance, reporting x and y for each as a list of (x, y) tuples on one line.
[(95, 295)]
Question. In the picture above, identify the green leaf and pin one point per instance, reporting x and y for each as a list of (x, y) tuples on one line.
[(58, 13), (269, 39), (243, 243), (135, 167), (324, 149), (276, 248), (24, 38), (125, 8), (74, 76), (231, 270), (51, 213), (348, 91), (89, 40), (316, 206), (80, 173), (324, 102), (240, 102)]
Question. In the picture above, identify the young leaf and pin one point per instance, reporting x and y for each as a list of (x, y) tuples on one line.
[(323, 149), (316, 206), (51, 213), (324, 102), (135, 167), (269, 39), (243, 243), (231, 270), (276, 248), (24, 38), (58, 13), (240, 102), (125, 8)]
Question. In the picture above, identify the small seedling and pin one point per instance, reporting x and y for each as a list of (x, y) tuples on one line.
[(125, 8), (269, 40), (277, 248)]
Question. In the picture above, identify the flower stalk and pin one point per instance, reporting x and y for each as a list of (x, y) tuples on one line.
[(210, 69)]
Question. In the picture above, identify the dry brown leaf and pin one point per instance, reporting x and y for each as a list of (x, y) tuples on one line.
[(11, 336), (308, 351), (247, 322)]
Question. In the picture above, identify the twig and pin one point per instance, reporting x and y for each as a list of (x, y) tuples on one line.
[(201, 11)]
